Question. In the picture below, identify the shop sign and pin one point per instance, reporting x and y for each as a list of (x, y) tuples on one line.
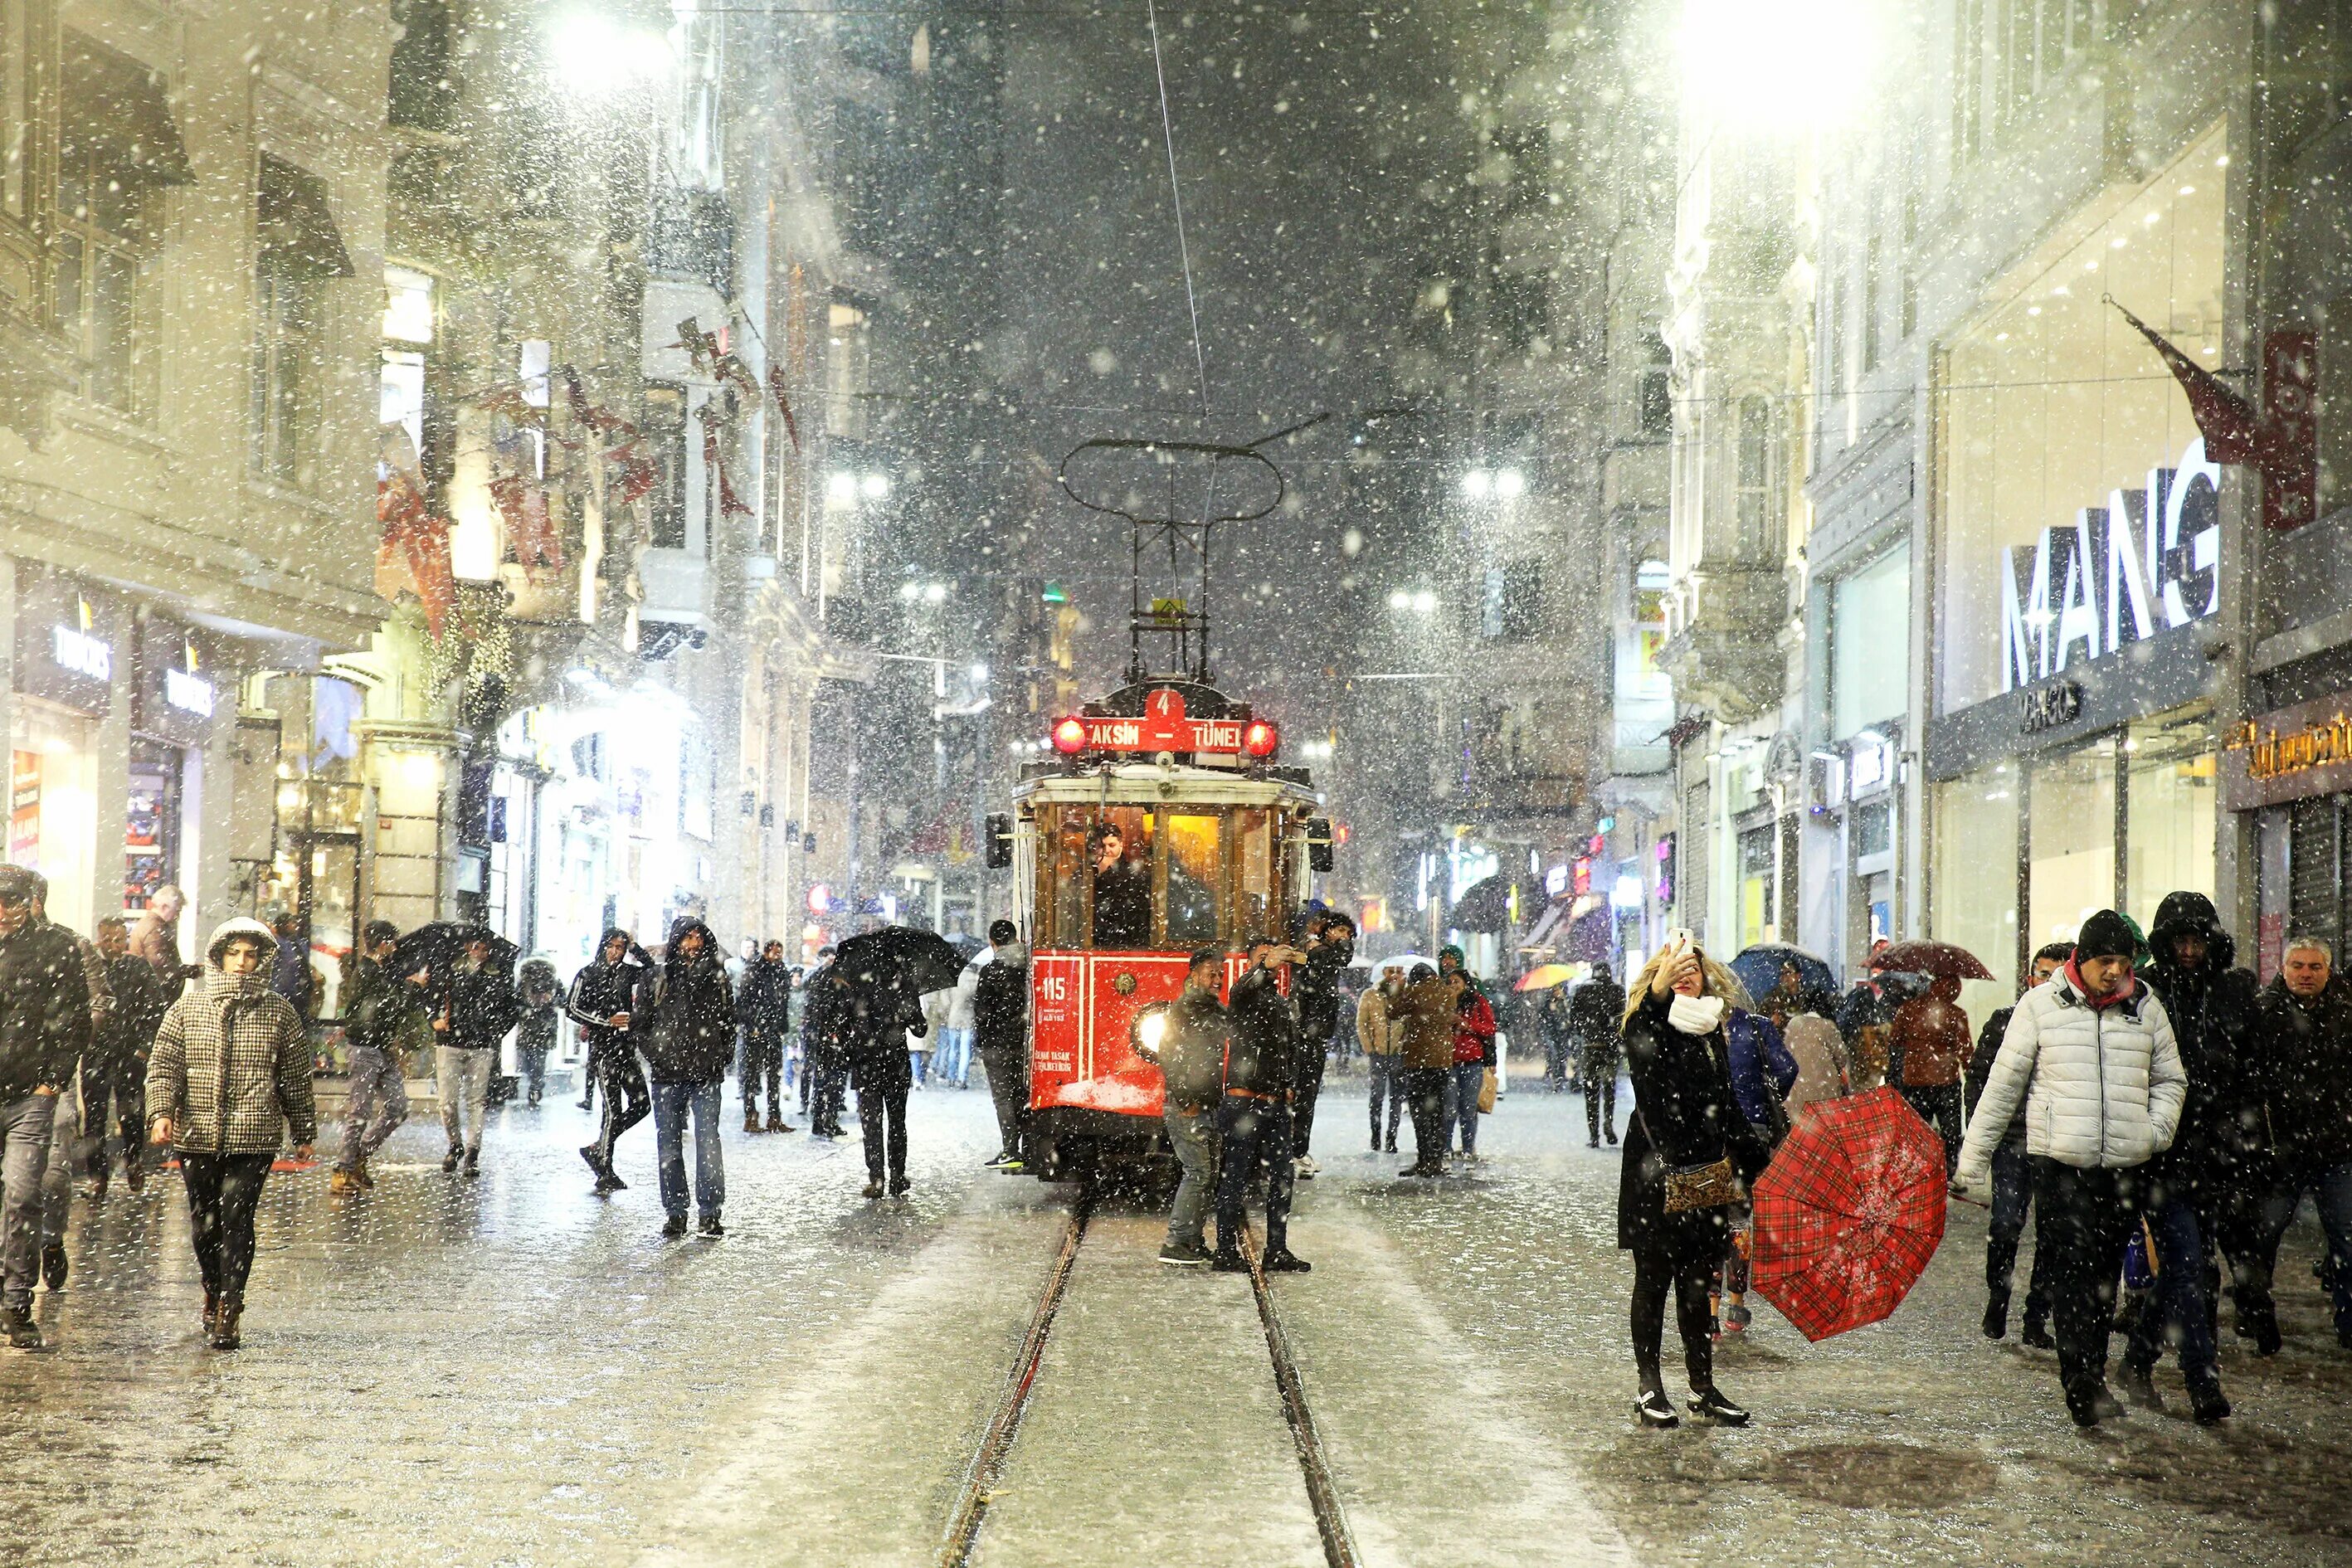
[(63, 644), (2052, 707), (188, 693), (78, 652), (2293, 754), (2147, 560), (25, 808)]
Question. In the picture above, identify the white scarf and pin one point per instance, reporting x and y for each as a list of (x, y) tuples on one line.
[(1694, 1015)]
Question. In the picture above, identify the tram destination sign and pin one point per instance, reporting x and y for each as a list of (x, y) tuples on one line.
[(1162, 726)]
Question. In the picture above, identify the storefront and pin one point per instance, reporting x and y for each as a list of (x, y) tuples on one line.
[(2291, 768), (175, 700), (69, 636), (2078, 544)]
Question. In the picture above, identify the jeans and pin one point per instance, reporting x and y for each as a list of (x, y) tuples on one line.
[(2181, 1304), (464, 1077), (1388, 1084), (532, 1059), (919, 1066), (882, 1117), (2331, 1191), (672, 1102), (1424, 1092), (1193, 1135), (1596, 1069), (1938, 1105), (764, 1059), (377, 1106), (2087, 1219), (1249, 1128), (1008, 1086), (955, 1056), (25, 1131), (1462, 1082), (57, 1178), (223, 1191), (2012, 1198)]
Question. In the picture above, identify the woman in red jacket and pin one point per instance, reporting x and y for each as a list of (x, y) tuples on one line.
[(1474, 1053)]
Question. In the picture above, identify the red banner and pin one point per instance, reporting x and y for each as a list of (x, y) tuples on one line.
[(1163, 726)]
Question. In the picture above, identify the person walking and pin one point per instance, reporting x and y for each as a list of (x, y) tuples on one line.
[(45, 1026), (1596, 1024), (156, 938), (603, 1004), (1253, 1119), (2013, 1181), (1000, 1022), (688, 1044), (1382, 1037), (2303, 1067), (375, 1007), (67, 1151), (228, 1082), (1813, 1043), (2091, 1060), (1551, 1021), (877, 1015), (535, 1028), (480, 1008), (764, 1005), (1474, 1057), (1930, 1039), (824, 1046), (1688, 1154), (114, 1069), (1330, 948), (1192, 1065), (933, 1004), (1424, 1015)]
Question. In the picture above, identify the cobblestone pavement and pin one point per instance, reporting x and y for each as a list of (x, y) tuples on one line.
[(511, 1372)]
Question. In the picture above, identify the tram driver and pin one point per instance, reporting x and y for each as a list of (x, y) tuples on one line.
[(1122, 893)]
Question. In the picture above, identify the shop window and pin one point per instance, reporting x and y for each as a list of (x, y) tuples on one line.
[(1975, 888), (2073, 859), (118, 146), (1759, 917), (1870, 644), (2168, 811)]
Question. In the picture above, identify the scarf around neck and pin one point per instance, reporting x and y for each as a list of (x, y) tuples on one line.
[(1694, 1015)]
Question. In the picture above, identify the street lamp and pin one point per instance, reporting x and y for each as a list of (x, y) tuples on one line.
[(1502, 484), (593, 55), (1778, 63)]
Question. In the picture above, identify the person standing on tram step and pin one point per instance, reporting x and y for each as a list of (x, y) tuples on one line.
[(114, 1069), (1688, 1150), (45, 1024), (1596, 1015), (375, 1006), (688, 1046), (1192, 1064), (228, 1082), (1122, 893), (1000, 1022), (605, 1003), (2089, 1059), (1330, 948), (481, 1006), (1381, 1033), (1255, 1118)]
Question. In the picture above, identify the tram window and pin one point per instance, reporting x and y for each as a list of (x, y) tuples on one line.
[(1119, 853), (1063, 896), (1254, 911), (1193, 880)]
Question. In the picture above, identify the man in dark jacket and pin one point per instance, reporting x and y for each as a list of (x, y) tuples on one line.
[(45, 1024), (1192, 1064), (479, 1009), (1595, 1019), (2212, 1008), (2302, 1065), (375, 1005), (1330, 948), (765, 1008), (1261, 1074), (2013, 1181), (114, 1069), (824, 1059), (1000, 1021), (537, 1021), (879, 1010), (605, 1003), (688, 1052)]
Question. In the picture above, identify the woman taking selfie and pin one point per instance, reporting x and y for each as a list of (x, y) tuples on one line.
[(1688, 1155)]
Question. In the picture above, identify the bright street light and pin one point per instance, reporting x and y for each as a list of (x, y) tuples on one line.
[(1399, 600), (841, 486), (1478, 484), (1778, 63), (979, 673), (1425, 602), (593, 55), (1509, 482), (874, 487)]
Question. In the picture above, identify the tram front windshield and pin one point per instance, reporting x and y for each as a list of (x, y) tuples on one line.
[(1128, 877)]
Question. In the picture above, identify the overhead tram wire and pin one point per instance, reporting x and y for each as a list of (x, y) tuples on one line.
[(1176, 194)]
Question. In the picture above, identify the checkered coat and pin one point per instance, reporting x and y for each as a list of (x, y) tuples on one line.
[(231, 1066)]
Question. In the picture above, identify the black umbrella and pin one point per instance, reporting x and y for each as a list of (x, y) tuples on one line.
[(1485, 905), (440, 946), (922, 961)]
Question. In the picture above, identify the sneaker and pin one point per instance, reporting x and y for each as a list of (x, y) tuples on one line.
[(1013, 1167), (710, 1225), (587, 1105), (873, 1189), (675, 1226), (1306, 1165), (1592, 1142), (1286, 1262), (2139, 1388), (1389, 1147), (1709, 1406), (53, 1266), (1611, 1136), (1002, 1157), (343, 1182), (1737, 1319), (1228, 1263), (449, 1160), (2206, 1405), (1653, 1410), (1299, 1173), (1185, 1255), (607, 1184), (588, 1152)]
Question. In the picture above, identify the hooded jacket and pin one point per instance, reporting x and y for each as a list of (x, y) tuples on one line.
[(483, 1005), (765, 1003), (2212, 1008), (1193, 1052), (2098, 1086), (1930, 1036), (45, 1012), (692, 1039), (1424, 1021), (601, 990), (1265, 1050), (231, 1062), (2302, 1052)]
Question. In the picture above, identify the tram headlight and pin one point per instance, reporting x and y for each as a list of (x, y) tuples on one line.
[(1148, 1028)]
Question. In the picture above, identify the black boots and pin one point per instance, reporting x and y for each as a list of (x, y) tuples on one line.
[(226, 1336), (1709, 1406), (1996, 1316), (1655, 1410)]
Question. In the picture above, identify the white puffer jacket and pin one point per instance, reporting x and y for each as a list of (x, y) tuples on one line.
[(2101, 1087)]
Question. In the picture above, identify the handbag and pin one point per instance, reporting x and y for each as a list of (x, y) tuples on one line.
[(1486, 1092), (1711, 1185)]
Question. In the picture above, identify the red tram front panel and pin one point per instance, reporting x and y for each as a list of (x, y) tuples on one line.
[(1081, 1053)]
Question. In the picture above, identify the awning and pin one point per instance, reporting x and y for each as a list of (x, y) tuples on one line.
[(113, 109), (297, 232)]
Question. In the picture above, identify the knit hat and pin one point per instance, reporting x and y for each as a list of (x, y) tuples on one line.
[(17, 884), (2107, 935)]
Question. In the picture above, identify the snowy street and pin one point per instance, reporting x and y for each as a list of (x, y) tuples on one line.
[(511, 1372)]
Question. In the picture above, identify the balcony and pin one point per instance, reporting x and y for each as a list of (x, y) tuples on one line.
[(692, 238), (1725, 654)]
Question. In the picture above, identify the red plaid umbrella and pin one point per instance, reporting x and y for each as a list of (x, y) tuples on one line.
[(1849, 1212)]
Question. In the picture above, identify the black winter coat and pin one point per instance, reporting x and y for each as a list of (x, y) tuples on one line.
[(1685, 1114), (482, 1007), (765, 1003), (140, 1001), (999, 1011), (1594, 1014), (1989, 1039), (601, 990), (44, 1021), (821, 1016), (373, 1005), (2303, 1062), (1314, 991), (692, 1036), (2212, 1008), (1193, 1052), (1264, 1053)]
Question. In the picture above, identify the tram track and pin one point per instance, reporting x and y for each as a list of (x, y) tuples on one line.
[(984, 1471)]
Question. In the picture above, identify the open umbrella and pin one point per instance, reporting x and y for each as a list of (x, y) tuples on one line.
[(1544, 976), (925, 960), (1848, 1213), (438, 947), (1940, 959), (1759, 969)]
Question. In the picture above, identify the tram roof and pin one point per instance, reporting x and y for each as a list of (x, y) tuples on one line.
[(1153, 784)]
